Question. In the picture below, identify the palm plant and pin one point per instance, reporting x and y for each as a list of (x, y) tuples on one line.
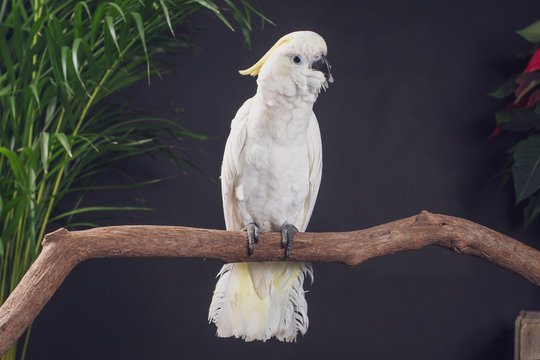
[(60, 60)]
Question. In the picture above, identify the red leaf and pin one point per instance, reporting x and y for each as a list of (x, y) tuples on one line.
[(534, 63), (495, 132)]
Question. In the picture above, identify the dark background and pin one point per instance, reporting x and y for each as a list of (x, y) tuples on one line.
[(404, 127)]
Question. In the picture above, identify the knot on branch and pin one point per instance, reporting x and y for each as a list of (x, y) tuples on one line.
[(56, 235), (425, 218)]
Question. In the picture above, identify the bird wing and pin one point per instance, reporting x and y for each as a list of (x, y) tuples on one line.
[(314, 146), (232, 167)]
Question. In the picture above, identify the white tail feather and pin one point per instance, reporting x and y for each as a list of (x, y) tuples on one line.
[(274, 307), (220, 295)]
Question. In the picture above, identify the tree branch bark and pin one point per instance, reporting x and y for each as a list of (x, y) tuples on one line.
[(63, 250)]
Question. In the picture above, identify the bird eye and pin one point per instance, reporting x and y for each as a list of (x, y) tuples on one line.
[(297, 59)]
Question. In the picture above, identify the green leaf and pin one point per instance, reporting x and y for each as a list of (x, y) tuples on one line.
[(65, 143), (44, 142), (6, 58), (112, 32), (526, 168), (167, 17), (212, 7), (249, 7), (11, 204), (118, 8), (75, 58), (96, 24), (31, 156), (116, 187), (140, 29), (31, 183), (35, 92), (505, 89), (531, 32), (16, 26), (51, 108), (5, 91), (99, 208), (55, 64), (65, 55), (522, 120), (77, 20), (89, 142), (85, 5), (13, 107), (244, 22), (15, 164), (80, 224)]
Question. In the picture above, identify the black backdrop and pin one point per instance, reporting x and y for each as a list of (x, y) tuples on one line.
[(404, 128)]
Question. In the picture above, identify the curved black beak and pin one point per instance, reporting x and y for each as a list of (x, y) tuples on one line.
[(322, 65)]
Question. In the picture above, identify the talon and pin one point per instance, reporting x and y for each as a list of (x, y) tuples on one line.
[(253, 236), (287, 237)]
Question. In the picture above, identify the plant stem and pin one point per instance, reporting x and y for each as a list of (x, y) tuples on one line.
[(26, 341), (49, 208)]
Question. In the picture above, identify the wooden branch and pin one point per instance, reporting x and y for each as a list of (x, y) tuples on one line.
[(63, 250)]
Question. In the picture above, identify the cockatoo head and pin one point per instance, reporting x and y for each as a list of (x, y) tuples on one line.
[(296, 66)]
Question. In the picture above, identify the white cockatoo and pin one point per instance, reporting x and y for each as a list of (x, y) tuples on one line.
[(270, 178)]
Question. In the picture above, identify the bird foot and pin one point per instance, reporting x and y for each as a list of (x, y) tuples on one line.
[(253, 236), (287, 237)]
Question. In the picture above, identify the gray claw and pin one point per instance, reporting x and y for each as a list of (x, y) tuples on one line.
[(287, 237), (253, 236)]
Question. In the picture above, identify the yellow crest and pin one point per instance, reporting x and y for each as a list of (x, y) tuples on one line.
[(255, 69)]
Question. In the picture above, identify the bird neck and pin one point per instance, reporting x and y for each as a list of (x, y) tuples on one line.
[(277, 119), (286, 94)]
